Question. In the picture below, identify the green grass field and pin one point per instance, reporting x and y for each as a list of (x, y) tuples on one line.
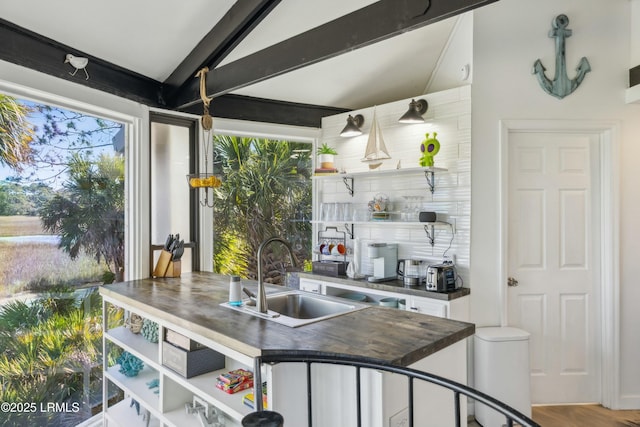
[(35, 266)]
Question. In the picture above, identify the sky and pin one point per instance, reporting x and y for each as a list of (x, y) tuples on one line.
[(51, 174)]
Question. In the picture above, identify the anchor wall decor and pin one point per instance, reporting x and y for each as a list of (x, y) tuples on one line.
[(561, 85)]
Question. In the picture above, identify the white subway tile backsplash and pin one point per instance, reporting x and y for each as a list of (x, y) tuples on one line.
[(449, 115), (464, 122), (464, 179), (464, 150)]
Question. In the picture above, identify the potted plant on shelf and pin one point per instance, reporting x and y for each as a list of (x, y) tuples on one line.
[(325, 156)]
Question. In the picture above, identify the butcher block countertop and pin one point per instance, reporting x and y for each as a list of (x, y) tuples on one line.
[(376, 333)]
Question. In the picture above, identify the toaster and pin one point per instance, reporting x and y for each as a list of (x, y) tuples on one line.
[(442, 278)]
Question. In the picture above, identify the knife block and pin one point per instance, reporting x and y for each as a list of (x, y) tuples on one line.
[(173, 270), (165, 267)]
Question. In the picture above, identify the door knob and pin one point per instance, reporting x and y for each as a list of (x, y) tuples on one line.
[(511, 281)]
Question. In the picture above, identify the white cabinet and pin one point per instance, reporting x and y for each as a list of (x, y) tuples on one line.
[(428, 306), (165, 404), (384, 395), (456, 309)]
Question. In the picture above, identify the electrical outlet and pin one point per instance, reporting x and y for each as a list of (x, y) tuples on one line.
[(401, 419), (451, 257)]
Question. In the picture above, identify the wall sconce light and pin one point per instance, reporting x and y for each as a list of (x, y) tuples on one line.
[(415, 112), (353, 126)]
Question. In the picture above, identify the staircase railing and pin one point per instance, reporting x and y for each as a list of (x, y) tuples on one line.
[(459, 390)]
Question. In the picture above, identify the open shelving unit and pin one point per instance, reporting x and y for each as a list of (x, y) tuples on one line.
[(166, 403), (349, 179)]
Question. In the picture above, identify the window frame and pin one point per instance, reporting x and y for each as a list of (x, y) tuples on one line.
[(194, 196), (273, 131)]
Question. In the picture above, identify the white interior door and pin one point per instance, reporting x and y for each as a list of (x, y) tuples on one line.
[(553, 259)]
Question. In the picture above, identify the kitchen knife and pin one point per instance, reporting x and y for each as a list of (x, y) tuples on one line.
[(168, 242), (178, 251)]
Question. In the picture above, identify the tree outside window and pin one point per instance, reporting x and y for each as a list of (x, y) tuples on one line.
[(61, 235), (265, 191)]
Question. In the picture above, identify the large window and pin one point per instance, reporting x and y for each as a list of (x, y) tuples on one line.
[(61, 235), (265, 191)]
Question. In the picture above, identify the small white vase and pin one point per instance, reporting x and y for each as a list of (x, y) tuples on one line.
[(326, 161)]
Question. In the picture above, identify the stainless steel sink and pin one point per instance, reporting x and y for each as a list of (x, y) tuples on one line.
[(297, 308)]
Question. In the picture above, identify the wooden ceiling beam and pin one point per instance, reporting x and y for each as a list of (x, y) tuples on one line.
[(31, 50), (232, 28), (28, 49), (266, 110), (379, 21)]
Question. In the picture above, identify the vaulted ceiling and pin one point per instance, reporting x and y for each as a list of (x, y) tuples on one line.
[(283, 61)]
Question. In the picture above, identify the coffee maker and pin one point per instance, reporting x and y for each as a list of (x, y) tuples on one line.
[(385, 260)]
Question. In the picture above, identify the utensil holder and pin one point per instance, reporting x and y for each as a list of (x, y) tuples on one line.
[(165, 267)]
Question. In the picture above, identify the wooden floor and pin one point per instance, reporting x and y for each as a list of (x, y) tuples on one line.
[(584, 415), (581, 416)]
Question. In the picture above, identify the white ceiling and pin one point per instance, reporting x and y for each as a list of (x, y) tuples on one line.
[(293, 17), (389, 70), (152, 37)]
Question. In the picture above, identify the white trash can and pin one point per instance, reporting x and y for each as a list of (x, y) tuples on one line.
[(501, 370)]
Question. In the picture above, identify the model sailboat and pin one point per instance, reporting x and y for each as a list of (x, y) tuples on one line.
[(376, 150)]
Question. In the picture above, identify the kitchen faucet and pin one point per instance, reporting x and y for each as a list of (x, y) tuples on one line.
[(261, 301)]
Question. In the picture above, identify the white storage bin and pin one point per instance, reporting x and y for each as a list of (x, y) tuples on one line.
[(501, 370)]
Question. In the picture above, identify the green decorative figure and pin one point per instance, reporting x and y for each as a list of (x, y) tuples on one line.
[(429, 148)]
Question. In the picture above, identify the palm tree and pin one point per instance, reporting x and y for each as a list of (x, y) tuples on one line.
[(89, 214), (48, 349), (16, 133), (265, 186)]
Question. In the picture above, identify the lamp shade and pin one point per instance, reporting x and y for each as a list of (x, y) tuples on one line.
[(415, 112), (353, 126)]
